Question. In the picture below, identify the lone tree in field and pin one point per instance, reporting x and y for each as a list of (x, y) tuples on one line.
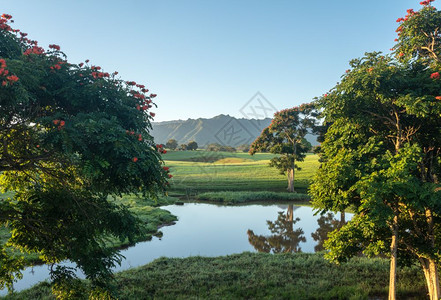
[(381, 153), (192, 145), (286, 136), (172, 144), (71, 135)]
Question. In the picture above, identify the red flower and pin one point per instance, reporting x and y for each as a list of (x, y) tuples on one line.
[(170, 175), (56, 47), (135, 159), (166, 168), (153, 95), (435, 75), (396, 40), (438, 97), (81, 64), (12, 78), (138, 107), (6, 16), (4, 83), (401, 54), (56, 122), (62, 123), (87, 61), (152, 114)]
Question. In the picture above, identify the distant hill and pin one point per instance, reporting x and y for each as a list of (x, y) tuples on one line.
[(222, 129)]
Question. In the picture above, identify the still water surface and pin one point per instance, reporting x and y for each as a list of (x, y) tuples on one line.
[(212, 230)]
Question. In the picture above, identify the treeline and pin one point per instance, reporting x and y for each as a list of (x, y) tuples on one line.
[(173, 144)]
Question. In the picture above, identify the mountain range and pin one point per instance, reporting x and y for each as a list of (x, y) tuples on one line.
[(222, 129)]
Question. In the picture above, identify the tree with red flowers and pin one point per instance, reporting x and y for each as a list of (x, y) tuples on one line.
[(71, 136), (285, 136), (381, 153)]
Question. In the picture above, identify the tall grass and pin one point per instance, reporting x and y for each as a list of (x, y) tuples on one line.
[(259, 276)]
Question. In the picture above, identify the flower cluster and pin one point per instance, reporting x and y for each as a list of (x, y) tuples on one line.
[(167, 170), (8, 80), (60, 123), (160, 149), (435, 75), (56, 47), (426, 2), (34, 50)]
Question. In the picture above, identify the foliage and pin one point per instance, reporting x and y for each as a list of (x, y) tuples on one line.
[(172, 144), (243, 148), (219, 148), (286, 136), (192, 145), (70, 136), (381, 151)]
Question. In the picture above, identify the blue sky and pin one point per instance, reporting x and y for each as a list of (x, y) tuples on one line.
[(206, 57)]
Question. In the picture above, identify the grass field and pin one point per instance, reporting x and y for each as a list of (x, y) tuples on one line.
[(258, 276), (195, 172)]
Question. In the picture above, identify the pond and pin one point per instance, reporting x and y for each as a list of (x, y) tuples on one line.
[(213, 230)]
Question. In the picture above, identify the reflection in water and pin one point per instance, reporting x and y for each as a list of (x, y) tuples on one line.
[(326, 224), (283, 238)]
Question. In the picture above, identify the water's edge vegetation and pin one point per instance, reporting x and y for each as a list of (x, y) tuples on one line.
[(257, 276)]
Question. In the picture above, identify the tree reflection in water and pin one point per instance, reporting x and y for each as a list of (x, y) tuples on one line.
[(326, 224), (283, 238)]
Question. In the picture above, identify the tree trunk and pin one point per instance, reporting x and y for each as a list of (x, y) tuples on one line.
[(393, 260), (291, 180), (342, 217), (430, 270), (290, 213)]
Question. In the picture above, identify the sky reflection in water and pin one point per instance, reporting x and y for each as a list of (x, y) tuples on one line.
[(211, 230)]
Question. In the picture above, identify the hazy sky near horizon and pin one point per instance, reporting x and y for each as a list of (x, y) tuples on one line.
[(206, 57)]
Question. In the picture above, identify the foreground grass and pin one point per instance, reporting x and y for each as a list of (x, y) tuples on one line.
[(196, 172), (258, 276), (147, 211), (243, 197)]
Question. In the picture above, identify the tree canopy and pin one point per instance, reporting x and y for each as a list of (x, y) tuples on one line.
[(286, 136), (381, 152), (71, 136)]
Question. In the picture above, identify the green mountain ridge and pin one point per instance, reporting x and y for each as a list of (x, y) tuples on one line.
[(221, 129)]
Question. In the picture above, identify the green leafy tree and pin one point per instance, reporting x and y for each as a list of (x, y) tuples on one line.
[(71, 136), (381, 156), (286, 136), (172, 144), (192, 145), (183, 147)]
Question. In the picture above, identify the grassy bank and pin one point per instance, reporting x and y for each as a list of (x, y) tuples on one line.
[(243, 197), (146, 209), (258, 276), (196, 172)]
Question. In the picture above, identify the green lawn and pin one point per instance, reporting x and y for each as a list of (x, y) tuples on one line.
[(195, 172)]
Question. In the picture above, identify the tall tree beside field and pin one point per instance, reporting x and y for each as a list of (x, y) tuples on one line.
[(192, 145), (381, 153), (172, 144), (71, 135), (286, 136)]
